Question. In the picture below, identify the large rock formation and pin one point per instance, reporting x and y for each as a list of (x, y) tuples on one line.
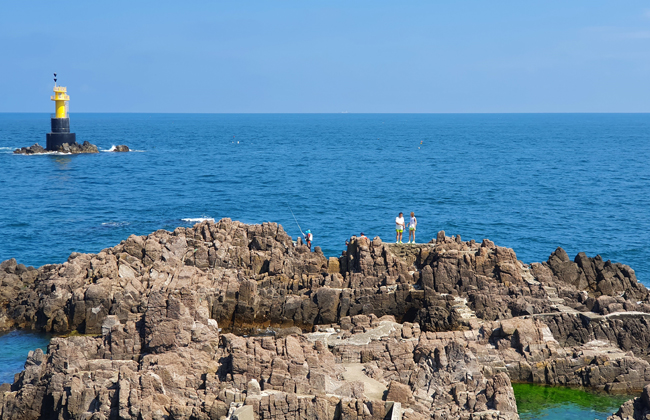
[(232, 320)]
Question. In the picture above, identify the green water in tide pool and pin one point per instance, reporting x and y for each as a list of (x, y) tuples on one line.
[(536, 402)]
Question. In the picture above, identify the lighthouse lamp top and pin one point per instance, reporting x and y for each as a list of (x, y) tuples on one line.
[(60, 89)]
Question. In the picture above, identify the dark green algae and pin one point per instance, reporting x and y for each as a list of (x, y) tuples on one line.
[(553, 402)]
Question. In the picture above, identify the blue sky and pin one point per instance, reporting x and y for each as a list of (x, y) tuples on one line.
[(328, 56)]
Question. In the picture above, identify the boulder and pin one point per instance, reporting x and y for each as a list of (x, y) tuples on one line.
[(34, 149), (399, 392)]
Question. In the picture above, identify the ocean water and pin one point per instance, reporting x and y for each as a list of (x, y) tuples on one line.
[(14, 348), (532, 182)]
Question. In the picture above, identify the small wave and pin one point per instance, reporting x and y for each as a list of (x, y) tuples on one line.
[(12, 149), (46, 153), (113, 148), (198, 219), (115, 224)]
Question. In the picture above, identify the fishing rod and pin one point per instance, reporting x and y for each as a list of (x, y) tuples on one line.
[(294, 218)]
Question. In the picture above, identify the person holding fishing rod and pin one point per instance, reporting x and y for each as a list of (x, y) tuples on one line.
[(307, 235), (308, 238)]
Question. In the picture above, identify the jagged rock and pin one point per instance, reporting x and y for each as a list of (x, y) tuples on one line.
[(399, 392), (36, 148), (635, 409), (121, 148), (74, 148), (440, 327)]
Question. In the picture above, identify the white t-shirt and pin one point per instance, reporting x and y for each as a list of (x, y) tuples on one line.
[(399, 223)]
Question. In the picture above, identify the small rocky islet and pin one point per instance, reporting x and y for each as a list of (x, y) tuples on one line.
[(228, 320), (74, 148)]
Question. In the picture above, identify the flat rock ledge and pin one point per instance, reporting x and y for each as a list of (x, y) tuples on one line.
[(74, 148), (232, 321)]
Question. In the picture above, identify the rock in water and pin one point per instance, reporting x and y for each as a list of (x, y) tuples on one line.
[(74, 148), (36, 148), (440, 329), (121, 148)]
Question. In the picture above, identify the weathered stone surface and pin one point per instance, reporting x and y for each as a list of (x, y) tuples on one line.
[(440, 328), (636, 409), (74, 148), (399, 392), (31, 150)]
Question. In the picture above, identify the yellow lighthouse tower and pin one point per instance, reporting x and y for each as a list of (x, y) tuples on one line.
[(60, 99), (60, 121)]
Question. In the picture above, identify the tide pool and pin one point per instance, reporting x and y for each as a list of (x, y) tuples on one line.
[(536, 402)]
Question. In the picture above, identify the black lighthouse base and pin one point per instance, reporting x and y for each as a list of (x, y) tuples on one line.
[(55, 140), (60, 140), (60, 134)]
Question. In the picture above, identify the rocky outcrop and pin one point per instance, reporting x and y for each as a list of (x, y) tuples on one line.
[(598, 278), (252, 277), (120, 148), (74, 148), (205, 321), (173, 363), (636, 409), (34, 149)]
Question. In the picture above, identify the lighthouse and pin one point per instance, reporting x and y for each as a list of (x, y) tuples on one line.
[(60, 121)]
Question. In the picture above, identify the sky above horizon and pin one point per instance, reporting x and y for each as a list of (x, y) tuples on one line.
[(328, 56)]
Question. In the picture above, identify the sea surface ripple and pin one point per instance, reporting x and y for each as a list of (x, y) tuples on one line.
[(532, 182)]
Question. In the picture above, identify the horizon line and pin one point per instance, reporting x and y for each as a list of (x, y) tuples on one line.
[(336, 113)]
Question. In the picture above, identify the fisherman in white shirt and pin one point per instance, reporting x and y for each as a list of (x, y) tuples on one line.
[(399, 227)]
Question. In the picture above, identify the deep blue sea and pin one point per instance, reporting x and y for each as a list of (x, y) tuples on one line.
[(532, 182)]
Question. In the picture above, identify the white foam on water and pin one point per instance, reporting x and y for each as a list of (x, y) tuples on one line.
[(115, 224), (11, 150), (40, 154), (113, 147), (198, 219)]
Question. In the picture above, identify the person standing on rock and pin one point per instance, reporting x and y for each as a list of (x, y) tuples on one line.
[(399, 227), (308, 238), (412, 224)]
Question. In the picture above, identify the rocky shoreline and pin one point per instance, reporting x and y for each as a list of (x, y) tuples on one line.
[(227, 320)]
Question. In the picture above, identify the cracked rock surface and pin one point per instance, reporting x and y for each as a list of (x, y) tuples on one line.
[(227, 320)]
